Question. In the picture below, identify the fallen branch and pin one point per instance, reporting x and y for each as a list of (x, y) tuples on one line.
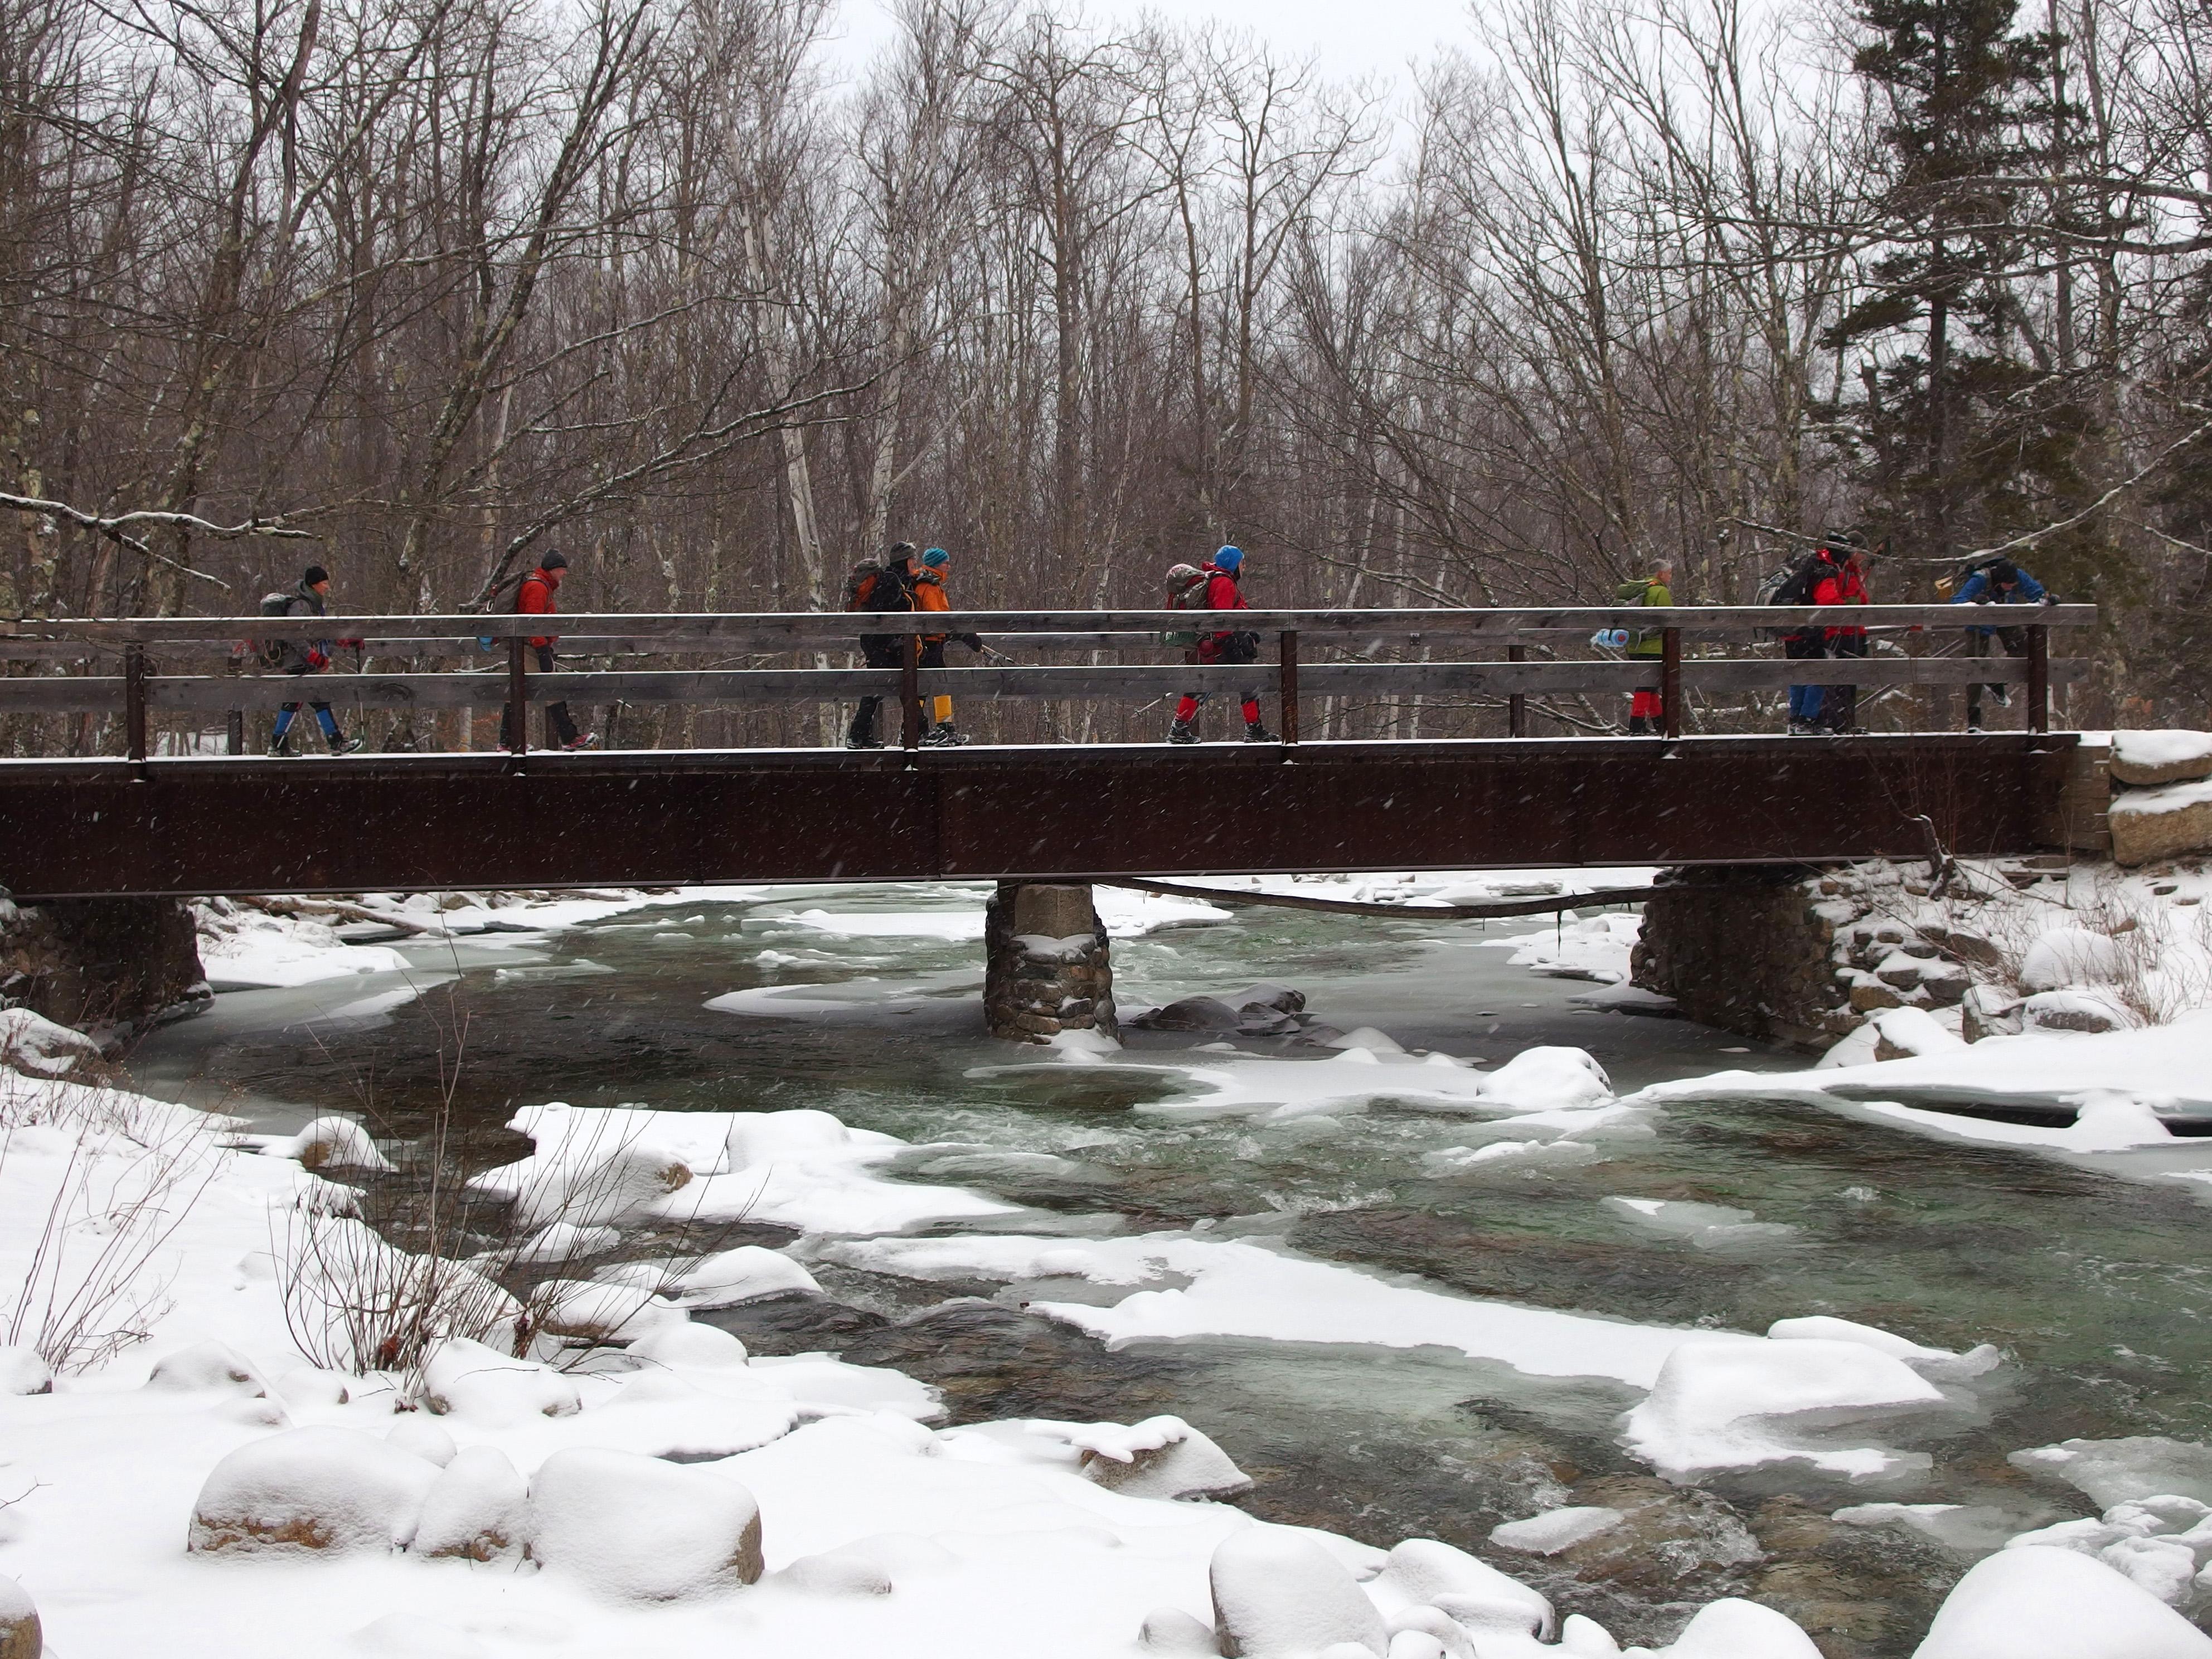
[(1527, 906), (346, 911)]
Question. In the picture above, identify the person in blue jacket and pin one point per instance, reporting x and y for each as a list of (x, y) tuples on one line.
[(1998, 582)]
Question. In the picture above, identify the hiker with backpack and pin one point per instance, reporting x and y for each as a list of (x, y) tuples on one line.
[(1839, 579), (1218, 589), (929, 594), (1792, 584), (1995, 581), (1647, 708), (302, 658), (880, 588), (535, 598)]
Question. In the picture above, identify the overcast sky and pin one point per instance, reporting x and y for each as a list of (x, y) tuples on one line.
[(1353, 37)]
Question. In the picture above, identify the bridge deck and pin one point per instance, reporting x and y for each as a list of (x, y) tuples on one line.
[(402, 822)]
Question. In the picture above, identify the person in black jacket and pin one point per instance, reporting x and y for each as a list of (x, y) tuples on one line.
[(304, 657), (891, 592)]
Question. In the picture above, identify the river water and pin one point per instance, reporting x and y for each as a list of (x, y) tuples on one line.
[(2095, 1289)]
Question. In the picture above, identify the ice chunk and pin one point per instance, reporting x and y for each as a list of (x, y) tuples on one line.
[(1279, 1595), (1708, 1226), (641, 1529), (1368, 1037), (311, 1490), (2040, 1603), (491, 1390), (475, 1508), (750, 1272), (2164, 1566), (1555, 1530), (1713, 1405), (2112, 1472), (1969, 1529), (1941, 1362)]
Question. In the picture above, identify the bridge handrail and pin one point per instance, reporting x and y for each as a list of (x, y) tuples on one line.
[(784, 629)]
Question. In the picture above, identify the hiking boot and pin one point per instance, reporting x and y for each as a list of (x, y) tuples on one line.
[(344, 745), (283, 750), (1256, 732), (2002, 694), (1182, 731), (863, 740), (944, 737), (582, 740)]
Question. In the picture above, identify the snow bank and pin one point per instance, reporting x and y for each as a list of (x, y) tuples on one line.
[(243, 949), (1724, 1405), (34, 1045), (2040, 1603)]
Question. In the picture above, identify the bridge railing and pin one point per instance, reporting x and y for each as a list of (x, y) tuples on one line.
[(150, 652)]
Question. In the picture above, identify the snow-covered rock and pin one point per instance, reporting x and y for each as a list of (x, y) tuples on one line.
[(1555, 1530), (682, 1345), (2145, 759), (311, 1490), (1545, 1078), (1159, 1457), (2041, 1603), (209, 1366), (20, 1635), (477, 1508), (750, 1272), (1715, 1403), (759, 1138), (2066, 956), (492, 1389), (1175, 1633), (640, 1528), (333, 1143), (22, 1372), (848, 1571), (1428, 1572), (564, 1244), (1735, 1629), (597, 1312), (37, 1047), (418, 1433), (588, 1168), (1279, 1595), (1447, 1637)]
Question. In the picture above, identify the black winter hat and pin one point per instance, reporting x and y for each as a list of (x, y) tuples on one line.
[(900, 554), (2004, 573), (555, 560), (314, 573)]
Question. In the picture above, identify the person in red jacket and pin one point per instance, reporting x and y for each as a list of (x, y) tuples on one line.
[(1838, 578), (535, 598), (1232, 646)]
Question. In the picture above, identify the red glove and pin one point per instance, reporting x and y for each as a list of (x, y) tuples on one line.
[(316, 661)]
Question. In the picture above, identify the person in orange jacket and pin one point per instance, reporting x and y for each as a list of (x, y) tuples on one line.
[(929, 594), (535, 598)]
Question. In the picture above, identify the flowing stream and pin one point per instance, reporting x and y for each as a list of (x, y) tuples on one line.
[(2096, 1289)]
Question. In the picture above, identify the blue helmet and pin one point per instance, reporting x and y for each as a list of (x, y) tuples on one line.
[(1227, 558)]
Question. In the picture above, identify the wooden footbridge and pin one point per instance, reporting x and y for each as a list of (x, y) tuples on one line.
[(170, 813)]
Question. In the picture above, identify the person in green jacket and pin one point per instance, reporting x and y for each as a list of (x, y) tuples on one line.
[(1647, 712)]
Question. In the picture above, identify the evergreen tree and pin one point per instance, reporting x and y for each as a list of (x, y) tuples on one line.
[(1963, 434)]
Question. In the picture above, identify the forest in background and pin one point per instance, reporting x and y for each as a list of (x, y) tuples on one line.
[(446, 283)]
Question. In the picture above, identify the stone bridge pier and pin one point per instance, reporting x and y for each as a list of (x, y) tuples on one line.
[(1048, 969)]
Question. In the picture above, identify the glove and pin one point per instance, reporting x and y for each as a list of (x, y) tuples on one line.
[(973, 641), (316, 661)]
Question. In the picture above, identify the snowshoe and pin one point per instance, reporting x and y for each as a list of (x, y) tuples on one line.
[(944, 737), (1256, 732)]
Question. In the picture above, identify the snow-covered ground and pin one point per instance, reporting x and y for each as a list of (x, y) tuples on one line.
[(466, 1502)]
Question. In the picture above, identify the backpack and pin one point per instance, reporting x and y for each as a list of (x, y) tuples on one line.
[(861, 585), (271, 651), (1179, 599), (1789, 583)]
